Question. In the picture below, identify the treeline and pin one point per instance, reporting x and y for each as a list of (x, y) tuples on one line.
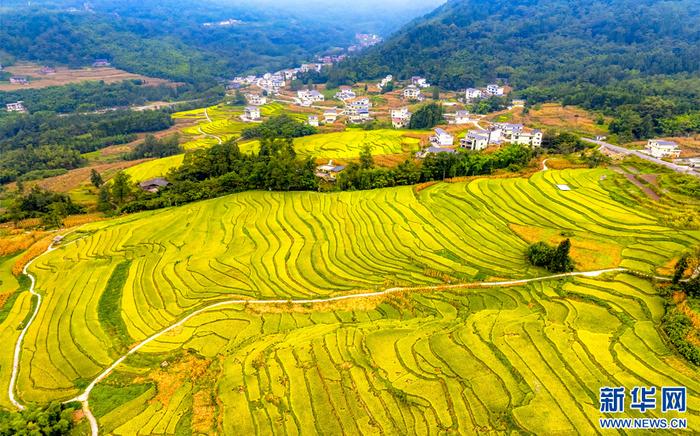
[(219, 170), (46, 141), (92, 96), (50, 207), (223, 169), (152, 147)]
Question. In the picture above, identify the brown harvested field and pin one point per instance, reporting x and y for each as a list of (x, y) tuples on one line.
[(75, 178), (64, 76), (555, 116)]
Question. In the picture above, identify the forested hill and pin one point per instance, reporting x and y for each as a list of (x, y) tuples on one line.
[(637, 60), (169, 38), (542, 42)]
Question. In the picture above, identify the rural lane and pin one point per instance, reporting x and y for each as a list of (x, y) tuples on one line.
[(83, 398), (623, 150), (206, 114)]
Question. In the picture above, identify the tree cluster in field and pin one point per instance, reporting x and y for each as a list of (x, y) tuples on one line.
[(50, 206), (553, 259), (614, 57), (678, 325), (152, 147), (216, 171), (427, 116), (92, 96), (55, 419), (46, 141), (280, 126)]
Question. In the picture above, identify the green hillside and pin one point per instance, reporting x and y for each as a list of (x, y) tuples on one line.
[(604, 55)]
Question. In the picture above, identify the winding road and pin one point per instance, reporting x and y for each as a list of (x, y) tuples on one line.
[(206, 114), (83, 398)]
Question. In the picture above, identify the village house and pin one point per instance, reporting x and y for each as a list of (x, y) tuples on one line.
[(16, 107), (313, 120), (19, 80), (433, 149), (305, 68), (419, 82), (256, 99), (530, 138), (345, 93), (412, 92), (308, 97), (442, 138), (660, 149), (385, 81), (330, 115), (476, 140), (251, 113), (357, 110), (494, 89), (508, 129), (153, 185), (472, 94), (329, 171), (101, 63), (462, 117), (47, 70), (400, 118)]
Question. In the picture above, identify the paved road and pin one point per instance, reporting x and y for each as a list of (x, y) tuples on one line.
[(639, 154)]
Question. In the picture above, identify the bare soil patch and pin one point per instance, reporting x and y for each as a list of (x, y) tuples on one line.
[(64, 76)]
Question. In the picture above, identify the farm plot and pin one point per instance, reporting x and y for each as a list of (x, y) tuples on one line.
[(304, 245), (349, 143), (527, 359), (154, 168)]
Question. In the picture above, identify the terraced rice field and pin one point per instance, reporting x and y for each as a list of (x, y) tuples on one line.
[(528, 358), (154, 168), (349, 143)]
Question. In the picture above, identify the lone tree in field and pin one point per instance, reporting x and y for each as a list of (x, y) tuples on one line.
[(554, 259), (96, 178)]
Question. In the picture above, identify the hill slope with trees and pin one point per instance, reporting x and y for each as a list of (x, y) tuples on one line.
[(603, 55)]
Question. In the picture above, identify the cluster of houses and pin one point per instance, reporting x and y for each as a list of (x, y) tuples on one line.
[(385, 81), (46, 70), (500, 132), (225, 23), (491, 90), (16, 107), (364, 40), (443, 142)]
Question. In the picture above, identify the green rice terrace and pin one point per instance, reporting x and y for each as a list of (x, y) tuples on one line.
[(404, 343), (350, 143)]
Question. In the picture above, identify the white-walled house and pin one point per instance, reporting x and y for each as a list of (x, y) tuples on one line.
[(313, 120), (16, 107), (476, 140), (530, 138), (345, 93), (660, 148), (330, 115), (419, 82), (494, 89), (472, 94), (400, 117), (442, 138), (462, 117), (412, 92), (252, 113), (256, 99)]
